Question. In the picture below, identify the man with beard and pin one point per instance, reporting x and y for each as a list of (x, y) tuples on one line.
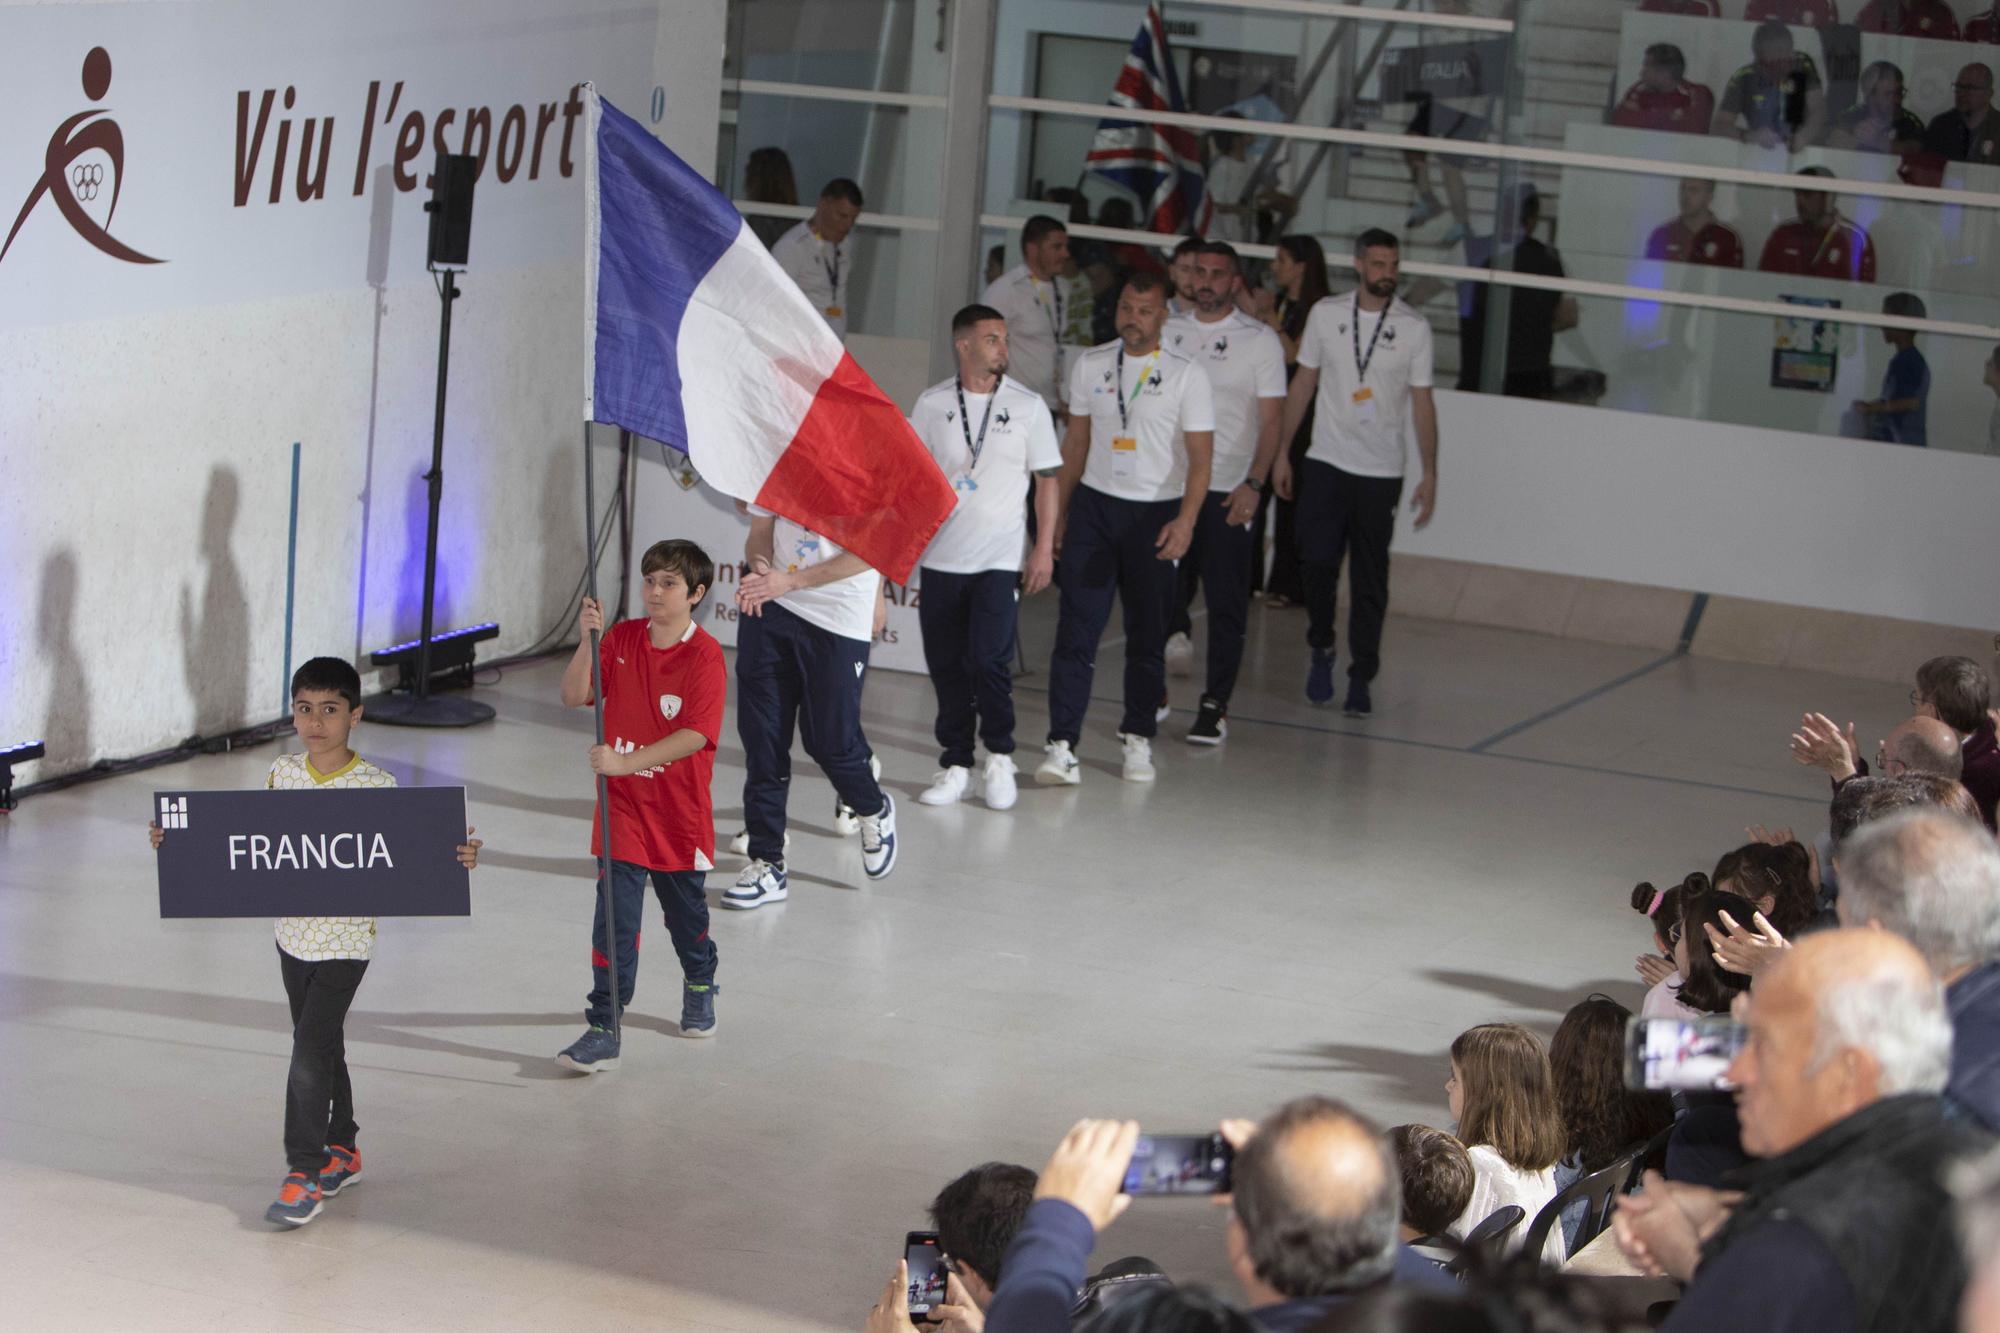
[(1365, 368), (972, 570)]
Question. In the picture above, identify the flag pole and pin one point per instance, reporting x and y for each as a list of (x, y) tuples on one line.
[(604, 895)]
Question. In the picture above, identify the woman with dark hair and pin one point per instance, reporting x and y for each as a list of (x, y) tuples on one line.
[(1776, 879), (1706, 985), (1601, 1116), (1299, 269), (1662, 972), (767, 179)]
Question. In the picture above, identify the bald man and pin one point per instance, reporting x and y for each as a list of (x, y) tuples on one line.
[(1933, 878), (1844, 1224), (1920, 744)]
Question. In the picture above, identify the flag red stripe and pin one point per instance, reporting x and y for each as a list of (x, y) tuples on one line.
[(857, 474)]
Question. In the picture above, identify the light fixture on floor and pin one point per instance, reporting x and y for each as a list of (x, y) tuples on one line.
[(12, 755), (413, 704)]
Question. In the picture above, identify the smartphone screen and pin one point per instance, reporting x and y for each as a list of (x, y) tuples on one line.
[(1680, 1054), (1179, 1164), (927, 1273)]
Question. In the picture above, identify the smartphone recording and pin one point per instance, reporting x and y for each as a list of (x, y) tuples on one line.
[(927, 1273), (1681, 1054), (1179, 1164)]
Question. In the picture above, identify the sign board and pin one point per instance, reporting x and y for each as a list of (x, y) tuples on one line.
[(384, 851), (1445, 69), (1805, 349)]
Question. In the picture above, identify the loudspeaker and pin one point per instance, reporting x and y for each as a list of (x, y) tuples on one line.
[(450, 208)]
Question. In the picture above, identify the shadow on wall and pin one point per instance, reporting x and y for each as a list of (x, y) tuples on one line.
[(66, 725), (215, 647)]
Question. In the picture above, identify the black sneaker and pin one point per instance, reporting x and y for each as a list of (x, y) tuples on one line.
[(1211, 724), (1357, 704)]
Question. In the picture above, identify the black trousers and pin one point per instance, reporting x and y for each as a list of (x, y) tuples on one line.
[(968, 623), (1109, 554), (1218, 559), (1345, 516), (1281, 514), (319, 1100)]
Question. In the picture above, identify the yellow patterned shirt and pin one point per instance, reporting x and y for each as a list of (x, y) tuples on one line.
[(315, 939)]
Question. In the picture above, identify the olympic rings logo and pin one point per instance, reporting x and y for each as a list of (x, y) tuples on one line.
[(86, 179)]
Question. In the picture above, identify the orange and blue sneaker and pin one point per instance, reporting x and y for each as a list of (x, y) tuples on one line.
[(343, 1166), (299, 1201)]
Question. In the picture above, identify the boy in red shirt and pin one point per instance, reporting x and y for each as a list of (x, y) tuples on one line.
[(664, 683)]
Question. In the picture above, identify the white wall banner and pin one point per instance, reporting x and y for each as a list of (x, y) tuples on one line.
[(673, 501), (161, 156)]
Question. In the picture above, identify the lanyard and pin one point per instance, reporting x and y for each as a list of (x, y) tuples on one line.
[(1361, 362), (965, 419), (832, 268), (1145, 372), (1054, 306)]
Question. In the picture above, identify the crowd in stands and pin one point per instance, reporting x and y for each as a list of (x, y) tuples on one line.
[(1841, 1176)]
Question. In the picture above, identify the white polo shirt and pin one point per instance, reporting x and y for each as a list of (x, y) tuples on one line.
[(846, 606), (1244, 362), (989, 527), (1037, 312), (821, 270), (1359, 425), (1141, 457)]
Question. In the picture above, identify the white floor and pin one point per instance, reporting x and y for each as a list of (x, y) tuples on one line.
[(1320, 905)]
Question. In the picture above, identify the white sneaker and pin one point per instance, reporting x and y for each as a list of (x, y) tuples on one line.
[(845, 822), (878, 840), (998, 780), (1180, 655), (1059, 766), (760, 883), (947, 786), (740, 844), (1138, 758)]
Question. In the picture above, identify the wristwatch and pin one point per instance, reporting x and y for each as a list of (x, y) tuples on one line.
[(1254, 484)]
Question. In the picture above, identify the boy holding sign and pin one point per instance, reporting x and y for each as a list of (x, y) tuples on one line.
[(664, 684), (322, 958)]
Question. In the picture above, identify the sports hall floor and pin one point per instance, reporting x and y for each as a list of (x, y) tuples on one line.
[(1320, 905)]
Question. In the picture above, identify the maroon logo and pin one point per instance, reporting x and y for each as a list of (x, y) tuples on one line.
[(70, 183)]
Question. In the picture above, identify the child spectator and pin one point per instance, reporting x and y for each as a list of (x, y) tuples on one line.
[(664, 683), (1601, 1117), (1897, 416), (1437, 1185), (1503, 1099), (322, 958), (1661, 971)]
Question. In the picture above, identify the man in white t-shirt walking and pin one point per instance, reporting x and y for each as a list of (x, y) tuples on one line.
[(1365, 368), (1033, 298), (1245, 364), (809, 613), (991, 434), (1141, 428), (815, 252)]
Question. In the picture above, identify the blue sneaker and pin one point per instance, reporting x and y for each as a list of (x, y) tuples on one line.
[(1319, 679), (1357, 704), (594, 1050), (760, 883), (298, 1201), (878, 839), (343, 1168), (698, 1008)]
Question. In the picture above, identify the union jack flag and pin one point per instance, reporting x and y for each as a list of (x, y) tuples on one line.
[(1159, 163)]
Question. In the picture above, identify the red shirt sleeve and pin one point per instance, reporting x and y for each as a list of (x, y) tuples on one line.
[(1703, 113), (1731, 255), (707, 691)]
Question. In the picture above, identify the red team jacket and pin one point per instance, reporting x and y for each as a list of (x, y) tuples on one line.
[(1716, 244), (1841, 251), (1686, 109), (1800, 13), (1921, 18)]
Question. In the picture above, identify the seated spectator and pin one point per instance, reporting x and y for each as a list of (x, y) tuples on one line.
[(1969, 132), (1503, 1100), (1984, 26), (1798, 13), (1898, 415), (1702, 9), (1934, 879), (1879, 122), (1437, 1185), (1819, 242), (1661, 972), (1957, 692), (977, 1217), (1601, 1117), (1696, 236), (1775, 101), (1843, 1224), (1920, 744), (1707, 987), (1663, 99), (1774, 878), (1534, 316), (1909, 18)]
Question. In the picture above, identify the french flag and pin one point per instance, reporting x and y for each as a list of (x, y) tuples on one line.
[(694, 336)]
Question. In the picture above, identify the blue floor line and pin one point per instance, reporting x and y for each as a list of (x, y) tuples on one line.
[(1586, 697)]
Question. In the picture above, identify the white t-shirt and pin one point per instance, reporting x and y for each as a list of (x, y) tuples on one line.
[(1036, 312), (1244, 362), (1364, 436), (846, 606), (820, 269), (315, 939), (1662, 1002), (1227, 178), (989, 526), (1142, 457), (1496, 1183)]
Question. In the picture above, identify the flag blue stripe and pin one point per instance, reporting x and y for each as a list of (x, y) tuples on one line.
[(661, 228)]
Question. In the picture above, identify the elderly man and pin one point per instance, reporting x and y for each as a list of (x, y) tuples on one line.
[(1970, 131), (1844, 1225), (1934, 879)]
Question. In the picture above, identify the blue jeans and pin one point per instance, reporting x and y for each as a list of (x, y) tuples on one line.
[(686, 908), (1108, 552), (968, 625)]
